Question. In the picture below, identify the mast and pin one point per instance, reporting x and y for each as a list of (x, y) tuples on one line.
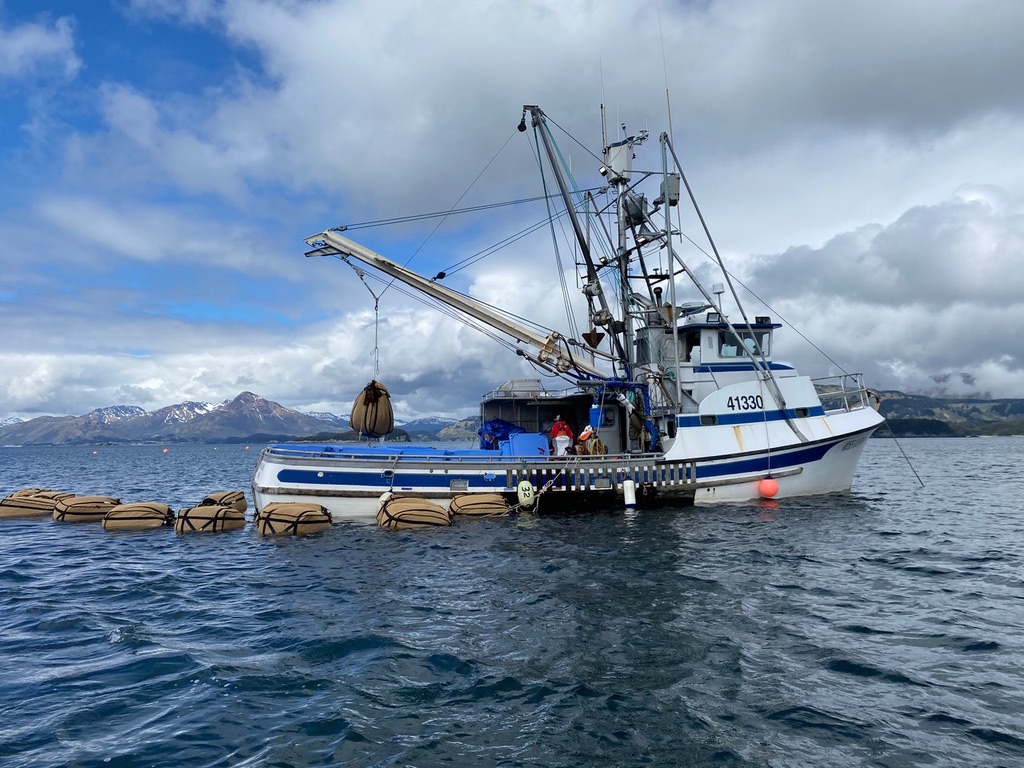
[(593, 287), (618, 158), (671, 269), (622, 260)]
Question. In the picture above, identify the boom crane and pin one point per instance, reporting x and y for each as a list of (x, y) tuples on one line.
[(552, 351)]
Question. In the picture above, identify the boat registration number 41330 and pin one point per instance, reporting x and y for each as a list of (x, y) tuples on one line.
[(745, 403)]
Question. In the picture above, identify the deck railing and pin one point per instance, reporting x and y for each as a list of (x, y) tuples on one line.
[(579, 476), (557, 473), (843, 392)]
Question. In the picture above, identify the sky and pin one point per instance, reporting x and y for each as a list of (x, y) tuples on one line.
[(858, 163)]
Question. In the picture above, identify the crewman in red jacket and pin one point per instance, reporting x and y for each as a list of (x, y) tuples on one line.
[(561, 437)]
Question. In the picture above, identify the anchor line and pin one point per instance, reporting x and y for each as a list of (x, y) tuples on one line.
[(904, 454)]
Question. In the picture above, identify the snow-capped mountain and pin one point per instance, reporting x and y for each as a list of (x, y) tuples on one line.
[(332, 419), (113, 414), (246, 415)]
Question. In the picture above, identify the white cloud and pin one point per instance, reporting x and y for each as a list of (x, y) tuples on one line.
[(175, 234), (28, 48)]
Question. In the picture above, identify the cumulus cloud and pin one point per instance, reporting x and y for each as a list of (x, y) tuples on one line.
[(27, 48), (918, 301)]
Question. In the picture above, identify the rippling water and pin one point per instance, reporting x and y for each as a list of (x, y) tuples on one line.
[(879, 628)]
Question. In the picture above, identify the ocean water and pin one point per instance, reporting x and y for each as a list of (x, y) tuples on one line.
[(884, 627)]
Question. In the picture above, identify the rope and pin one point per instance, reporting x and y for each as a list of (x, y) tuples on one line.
[(547, 486), (375, 352), (376, 347), (552, 216), (452, 209), (905, 457)]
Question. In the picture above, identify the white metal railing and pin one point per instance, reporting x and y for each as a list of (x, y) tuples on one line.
[(843, 392), (578, 476), (505, 393)]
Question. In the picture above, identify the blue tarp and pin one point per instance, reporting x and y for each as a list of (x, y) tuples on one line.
[(496, 430)]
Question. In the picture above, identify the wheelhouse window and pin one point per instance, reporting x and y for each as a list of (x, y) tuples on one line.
[(731, 344)]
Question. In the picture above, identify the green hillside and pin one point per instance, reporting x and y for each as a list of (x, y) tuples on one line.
[(920, 416)]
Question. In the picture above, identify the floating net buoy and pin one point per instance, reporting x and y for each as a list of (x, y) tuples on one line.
[(31, 502), (233, 499), (527, 494), (292, 518), (372, 415), (768, 487), (479, 505), (209, 518), (138, 516), (400, 512), (84, 509)]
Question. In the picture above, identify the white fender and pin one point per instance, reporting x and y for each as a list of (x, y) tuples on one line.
[(526, 493), (629, 492)]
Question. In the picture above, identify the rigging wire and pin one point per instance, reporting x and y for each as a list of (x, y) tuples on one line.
[(375, 353), (436, 214), (572, 138), (500, 245), (439, 307), (471, 185), (566, 301), (903, 453), (444, 216), (664, 67), (768, 306)]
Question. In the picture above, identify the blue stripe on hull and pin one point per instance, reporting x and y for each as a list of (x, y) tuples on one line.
[(765, 462), (372, 479), (747, 417)]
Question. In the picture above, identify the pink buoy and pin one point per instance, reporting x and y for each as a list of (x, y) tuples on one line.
[(768, 487)]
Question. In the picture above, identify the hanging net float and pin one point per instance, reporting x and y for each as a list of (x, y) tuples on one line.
[(372, 415)]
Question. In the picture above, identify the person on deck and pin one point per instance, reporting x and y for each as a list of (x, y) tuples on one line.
[(561, 437), (582, 443)]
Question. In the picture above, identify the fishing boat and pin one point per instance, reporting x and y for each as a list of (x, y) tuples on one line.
[(670, 399)]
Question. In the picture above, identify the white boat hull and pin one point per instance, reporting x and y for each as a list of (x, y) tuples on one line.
[(350, 480)]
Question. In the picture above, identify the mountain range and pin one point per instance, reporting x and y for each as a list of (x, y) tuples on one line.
[(251, 418), (909, 415), (246, 418)]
